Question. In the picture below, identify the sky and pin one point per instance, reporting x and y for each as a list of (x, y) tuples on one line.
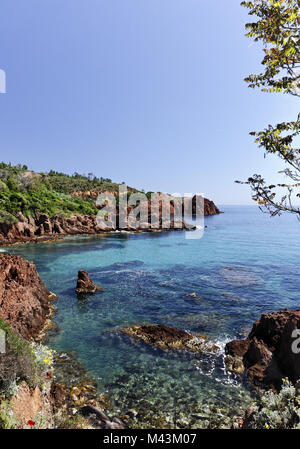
[(146, 92)]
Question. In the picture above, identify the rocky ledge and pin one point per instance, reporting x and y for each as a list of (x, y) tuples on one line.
[(166, 337), (24, 299), (269, 353)]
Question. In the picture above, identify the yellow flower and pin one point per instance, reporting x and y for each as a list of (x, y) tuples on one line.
[(267, 426)]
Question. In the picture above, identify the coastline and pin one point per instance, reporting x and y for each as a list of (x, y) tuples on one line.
[(184, 288), (13, 237)]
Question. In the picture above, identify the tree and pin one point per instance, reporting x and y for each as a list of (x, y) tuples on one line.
[(278, 29)]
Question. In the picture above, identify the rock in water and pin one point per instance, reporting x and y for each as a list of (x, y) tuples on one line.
[(270, 352), (85, 285), (166, 337), (24, 299)]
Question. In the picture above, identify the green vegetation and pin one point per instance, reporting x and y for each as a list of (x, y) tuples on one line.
[(7, 419), (74, 422), (18, 362), (278, 29), (67, 184), (22, 361), (277, 411), (26, 192)]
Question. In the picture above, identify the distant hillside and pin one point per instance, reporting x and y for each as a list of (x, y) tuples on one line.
[(53, 193), (25, 194), (50, 205)]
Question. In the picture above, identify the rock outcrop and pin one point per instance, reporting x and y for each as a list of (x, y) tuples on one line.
[(207, 208), (42, 227), (166, 337), (24, 299), (85, 285), (270, 352)]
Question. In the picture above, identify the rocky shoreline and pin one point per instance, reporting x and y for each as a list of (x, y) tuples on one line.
[(67, 396), (42, 227), (37, 386)]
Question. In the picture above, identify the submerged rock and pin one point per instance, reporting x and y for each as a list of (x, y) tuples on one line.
[(98, 419), (240, 276), (193, 295), (84, 283), (166, 337), (268, 353)]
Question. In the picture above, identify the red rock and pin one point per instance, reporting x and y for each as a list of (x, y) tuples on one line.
[(267, 352), (237, 347), (209, 207), (24, 299), (157, 333), (42, 227), (84, 283), (166, 337)]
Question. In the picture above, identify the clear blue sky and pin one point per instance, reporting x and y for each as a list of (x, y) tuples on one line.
[(149, 92)]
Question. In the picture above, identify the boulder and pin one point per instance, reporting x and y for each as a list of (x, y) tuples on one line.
[(85, 285), (269, 353)]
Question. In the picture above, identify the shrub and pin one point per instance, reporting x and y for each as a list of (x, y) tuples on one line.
[(7, 218), (44, 356), (18, 362), (7, 420), (277, 410), (47, 193)]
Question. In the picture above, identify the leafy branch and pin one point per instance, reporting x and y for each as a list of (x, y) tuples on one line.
[(278, 29)]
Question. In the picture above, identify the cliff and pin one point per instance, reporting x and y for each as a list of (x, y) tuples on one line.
[(43, 226), (24, 299), (210, 208)]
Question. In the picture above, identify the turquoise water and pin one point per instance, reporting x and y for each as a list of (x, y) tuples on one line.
[(245, 264)]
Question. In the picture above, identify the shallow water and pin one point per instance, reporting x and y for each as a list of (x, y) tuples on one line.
[(245, 264)]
